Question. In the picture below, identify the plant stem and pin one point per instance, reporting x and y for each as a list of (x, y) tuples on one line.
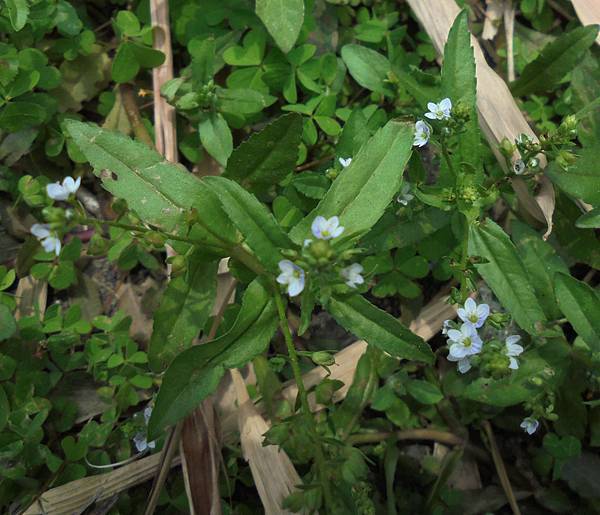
[(463, 261), (305, 406)]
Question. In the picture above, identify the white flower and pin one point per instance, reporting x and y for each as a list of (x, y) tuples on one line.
[(57, 191), (530, 425), (464, 342), (326, 229), (140, 441), (48, 240), (474, 314), (352, 275), (513, 349), (345, 162), (292, 276), (463, 365), (519, 167), (422, 133), (405, 195), (439, 111)]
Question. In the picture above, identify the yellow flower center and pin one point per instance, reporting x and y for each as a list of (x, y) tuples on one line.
[(467, 342)]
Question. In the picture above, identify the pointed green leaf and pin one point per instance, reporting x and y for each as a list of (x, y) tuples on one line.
[(18, 11), (505, 274), (378, 328), (582, 179), (252, 219), (216, 137), (581, 305), (541, 263), (184, 309), (268, 156), (196, 372), (556, 59), (362, 192), (157, 190)]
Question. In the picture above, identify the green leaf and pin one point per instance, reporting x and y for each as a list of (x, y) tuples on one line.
[(157, 190), (459, 83), (541, 263), (125, 64), (196, 372), (367, 67), (128, 23), (216, 137), (581, 305), (590, 220), (582, 179), (74, 450), (252, 219), (505, 274), (184, 309), (283, 19), (8, 326), (555, 60), (378, 328), (19, 115), (242, 101), (360, 194), (267, 157), (18, 11), (424, 392)]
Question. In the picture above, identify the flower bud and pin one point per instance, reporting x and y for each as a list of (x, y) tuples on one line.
[(507, 148), (178, 265), (97, 245), (321, 249), (323, 358), (331, 173), (569, 123), (54, 215), (289, 253)]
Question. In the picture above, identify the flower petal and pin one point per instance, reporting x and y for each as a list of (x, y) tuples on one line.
[(57, 192), (40, 230), (445, 104)]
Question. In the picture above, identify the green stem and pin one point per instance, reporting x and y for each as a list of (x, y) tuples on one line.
[(447, 156), (463, 262), (305, 406)]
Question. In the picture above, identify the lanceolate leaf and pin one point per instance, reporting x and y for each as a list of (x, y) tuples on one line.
[(378, 328), (196, 373), (556, 60), (505, 274), (581, 305), (541, 263), (459, 83), (362, 191), (184, 309), (268, 156), (254, 221), (216, 137), (283, 19), (367, 67), (158, 191)]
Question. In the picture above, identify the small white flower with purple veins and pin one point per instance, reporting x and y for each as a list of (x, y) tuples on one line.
[(439, 111), (292, 276), (49, 240), (345, 162), (530, 425), (513, 349), (422, 133), (464, 342), (463, 364), (405, 195), (352, 274), (57, 191), (326, 229), (473, 314)]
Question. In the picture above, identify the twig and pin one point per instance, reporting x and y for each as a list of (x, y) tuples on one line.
[(509, 30), (133, 114), (408, 434), (316, 162), (219, 315), (501, 469), (166, 458)]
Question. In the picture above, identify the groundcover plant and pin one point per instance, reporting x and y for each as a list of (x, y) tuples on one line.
[(299, 256)]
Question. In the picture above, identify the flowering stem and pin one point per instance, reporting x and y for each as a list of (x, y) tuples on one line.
[(305, 406), (463, 262)]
